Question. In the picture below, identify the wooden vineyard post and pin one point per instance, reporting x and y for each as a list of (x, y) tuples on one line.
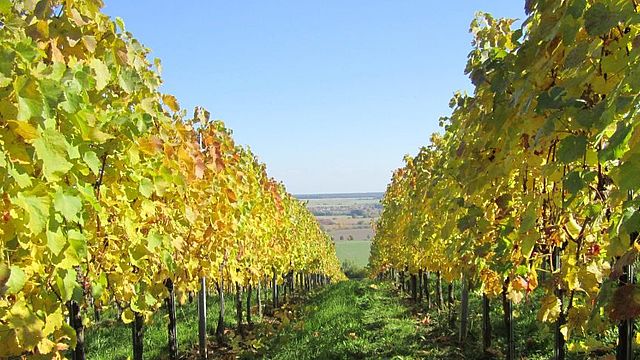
[(486, 323), (439, 297), (450, 299), (559, 342), (96, 310), (292, 282), (259, 298), (420, 276), (464, 310), (285, 286), (240, 328), (249, 291), (220, 327), (624, 350), (137, 331), (414, 288), (306, 282), (507, 306), (426, 288), (172, 331), (202, 318), (274, 290), (75, 321)]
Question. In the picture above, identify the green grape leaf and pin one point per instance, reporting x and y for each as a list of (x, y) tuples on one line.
[(576, 8), (577, 56), (68, 286), (146, 187), (56, 241), (27, 50), (573, 182), (52, 148), (631, 220), (528, 243), (98, 287), (128, 80), (572, 148), (16, 281), (22, 179), (36, 208), (68, 205), (599, 19), (5, 273), (528, 219), (91, 159), (626, 175), (5, 7), (552, 99), (617, 143), (154, 239), (28, 108), (78, 242)]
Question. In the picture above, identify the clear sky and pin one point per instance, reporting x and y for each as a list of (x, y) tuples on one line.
[(330, 94)]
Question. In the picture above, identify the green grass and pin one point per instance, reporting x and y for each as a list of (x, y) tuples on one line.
[(355, 251), (110, 339), (372, 320), (348, 320)]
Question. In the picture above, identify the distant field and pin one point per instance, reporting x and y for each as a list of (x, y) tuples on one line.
[(345, 217), (369, 195), (342, 202), (356, 234), (356, 251), (345, 226)]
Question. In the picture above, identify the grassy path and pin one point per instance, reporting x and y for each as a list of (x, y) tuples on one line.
[(350, 320), (347, 320)]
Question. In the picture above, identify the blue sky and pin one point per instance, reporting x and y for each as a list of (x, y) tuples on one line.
[(329, 94)]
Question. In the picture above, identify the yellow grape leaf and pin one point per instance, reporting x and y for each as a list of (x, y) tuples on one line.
[(549, 308), (52, 148), (37, 210), (27, 325), (24, 129), (127, 316), (171, 102), (46, 346), (53, 322), (102, 73)]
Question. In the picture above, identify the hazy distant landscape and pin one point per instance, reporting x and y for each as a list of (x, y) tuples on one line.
[(349, 219)]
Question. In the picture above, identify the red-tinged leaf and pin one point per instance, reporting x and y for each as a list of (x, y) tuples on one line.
[(150, 145), (626, 303), (627, 259), (231, 195), (199, 168)]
